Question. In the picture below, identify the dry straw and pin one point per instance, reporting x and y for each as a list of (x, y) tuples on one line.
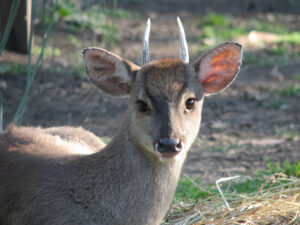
[(275, 205)]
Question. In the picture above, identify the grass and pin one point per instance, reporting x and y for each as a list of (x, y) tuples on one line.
[(190, 190), (31, 72), (296, 77), (271, 195), (264, 26), (48, 51), (73, 40), (274, 104), (286, 134), (217, 28), (15, 69), (290, 38), (289, 91), (99, 19)]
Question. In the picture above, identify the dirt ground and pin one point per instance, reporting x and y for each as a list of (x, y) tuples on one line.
[(241, 127)]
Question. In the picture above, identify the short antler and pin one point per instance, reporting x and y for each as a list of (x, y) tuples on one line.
[(184, 51), (146, 56)]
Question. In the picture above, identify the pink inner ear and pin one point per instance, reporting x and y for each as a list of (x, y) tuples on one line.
[(219, 67)]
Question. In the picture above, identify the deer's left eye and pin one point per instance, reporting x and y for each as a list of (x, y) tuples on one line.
[(190, 103)]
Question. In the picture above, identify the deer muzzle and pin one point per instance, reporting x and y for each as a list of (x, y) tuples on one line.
[(168, 147)]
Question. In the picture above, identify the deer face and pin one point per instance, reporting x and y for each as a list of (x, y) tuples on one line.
[(166, 96), (166, 107)]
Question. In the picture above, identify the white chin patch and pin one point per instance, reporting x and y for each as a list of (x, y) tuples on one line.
[(179, 156)]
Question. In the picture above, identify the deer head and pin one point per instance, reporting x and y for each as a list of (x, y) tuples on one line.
[(166, 96)]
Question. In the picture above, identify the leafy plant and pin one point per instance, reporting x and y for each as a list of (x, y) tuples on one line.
[(4, 68), (15, 69), (73, 39), (291, 38), (285, 168), (296, 77), (213, 19), (263, 26), (94, 18), (48, 51), (289, 91)]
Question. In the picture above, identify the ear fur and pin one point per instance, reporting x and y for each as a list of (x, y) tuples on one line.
[(219, 67), (109, 72)]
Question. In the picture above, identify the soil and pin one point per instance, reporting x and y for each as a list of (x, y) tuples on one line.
[(242, 128)]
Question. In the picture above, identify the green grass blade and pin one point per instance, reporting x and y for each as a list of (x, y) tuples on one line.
[(31, 73)]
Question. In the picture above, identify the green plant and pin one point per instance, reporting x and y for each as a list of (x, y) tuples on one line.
[(94, 18), (296, 77), (15, 69), (263, 26), (213, 19), (189, 189), (286, 134), (290, 38), (265, 179), (273, 104), (289, 91), (31, 72), (285, 168), (73, 39), (4, 68), (18, 68), (48, 51)]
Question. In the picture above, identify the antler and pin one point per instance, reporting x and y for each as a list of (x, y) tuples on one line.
[(146, 56), (184, 51)]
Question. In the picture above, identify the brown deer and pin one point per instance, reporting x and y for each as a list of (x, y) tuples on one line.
[(64, 175)]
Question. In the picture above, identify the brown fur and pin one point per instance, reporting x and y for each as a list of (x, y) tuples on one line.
[(164, 78), (63, 175)]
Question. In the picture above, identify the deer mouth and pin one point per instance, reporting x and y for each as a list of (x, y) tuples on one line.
[(169, 154)]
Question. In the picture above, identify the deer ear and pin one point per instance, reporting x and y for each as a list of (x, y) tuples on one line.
[(109, 72), (219, 67)]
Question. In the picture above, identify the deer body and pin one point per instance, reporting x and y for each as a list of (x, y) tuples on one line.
[(95, 189), (65, 176)]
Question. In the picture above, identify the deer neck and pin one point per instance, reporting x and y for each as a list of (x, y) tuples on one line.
[(129, 181)]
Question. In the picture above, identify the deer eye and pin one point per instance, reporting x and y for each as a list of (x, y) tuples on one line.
[(142, 106), (190, 103)]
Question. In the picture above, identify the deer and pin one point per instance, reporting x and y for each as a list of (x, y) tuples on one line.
[(66, 175)]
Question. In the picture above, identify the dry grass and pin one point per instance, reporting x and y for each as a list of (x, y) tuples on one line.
[(275, 205)]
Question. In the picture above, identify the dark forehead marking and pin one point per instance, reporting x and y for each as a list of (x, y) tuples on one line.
[(165, 79)]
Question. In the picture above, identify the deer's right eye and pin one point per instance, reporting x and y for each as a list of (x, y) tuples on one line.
[(142, 106), (190, 103)]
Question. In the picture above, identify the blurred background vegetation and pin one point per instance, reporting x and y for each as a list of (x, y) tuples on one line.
[(252, 129)]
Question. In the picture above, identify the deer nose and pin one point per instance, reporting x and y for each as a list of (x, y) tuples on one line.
[(168, 147)]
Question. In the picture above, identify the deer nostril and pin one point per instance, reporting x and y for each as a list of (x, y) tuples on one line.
[(168, 145), (179, 146)]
